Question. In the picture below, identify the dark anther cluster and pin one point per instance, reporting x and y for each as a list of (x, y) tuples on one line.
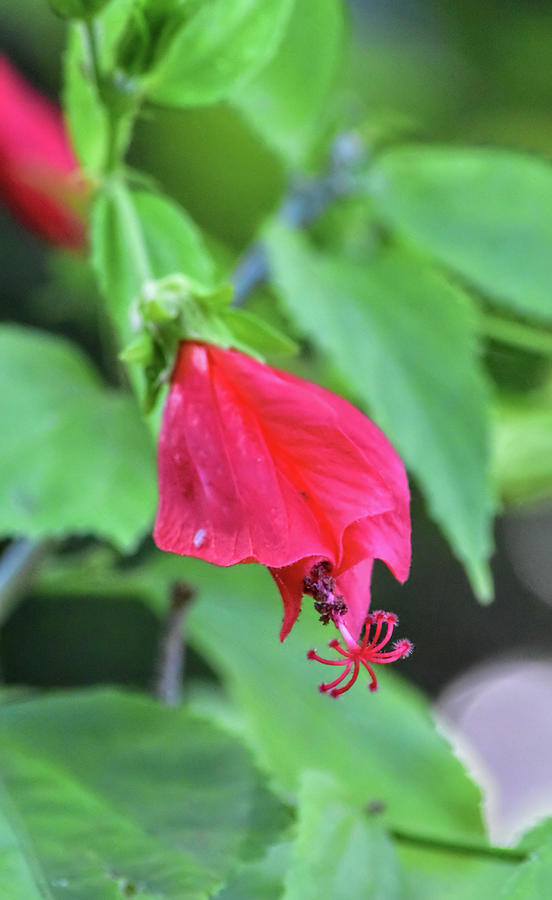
[(320, 585)]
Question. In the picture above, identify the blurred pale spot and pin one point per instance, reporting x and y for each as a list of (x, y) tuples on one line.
[(498, 718)]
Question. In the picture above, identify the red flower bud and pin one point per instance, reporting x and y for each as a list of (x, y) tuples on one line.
[(256, 465), (40, 180)]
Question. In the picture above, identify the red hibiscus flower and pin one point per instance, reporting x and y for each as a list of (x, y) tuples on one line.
[(256, 465), (39, 176)]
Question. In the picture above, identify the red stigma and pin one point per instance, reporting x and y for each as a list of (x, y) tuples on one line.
[(378, 629)]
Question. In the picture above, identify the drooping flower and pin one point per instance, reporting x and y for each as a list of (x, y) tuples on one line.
[(40, 180), (257, 465)]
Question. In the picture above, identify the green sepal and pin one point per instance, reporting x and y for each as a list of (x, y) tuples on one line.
[(177, 308), (221, 297), (177, 297), (138, 351), (167, 311), (254, 336)]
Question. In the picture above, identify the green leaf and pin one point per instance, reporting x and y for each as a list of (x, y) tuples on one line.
[(261, 880), (537, 836), (438, 872), (287, 99), (18, 881), (173, 240), (532, 880), (522, 459), (76, 458), (405, 339), (370, 760), (138, 236), (218, 45), (380, 747), (107, 795), (485, 212), (339, 852)]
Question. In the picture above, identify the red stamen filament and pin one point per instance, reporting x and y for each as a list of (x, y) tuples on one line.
[(366, 652)]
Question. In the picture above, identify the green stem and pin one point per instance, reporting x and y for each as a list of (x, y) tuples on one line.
[(464, 848), (113, 156), (117, 121), (134, 235), (120, 106), (516, 334), (18, 564), (170, 667), (91, 43)]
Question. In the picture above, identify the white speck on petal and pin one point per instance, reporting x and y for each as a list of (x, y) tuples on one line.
[(199, 537), (199, 359)]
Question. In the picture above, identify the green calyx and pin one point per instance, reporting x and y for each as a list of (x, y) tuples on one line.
[(176, 308)]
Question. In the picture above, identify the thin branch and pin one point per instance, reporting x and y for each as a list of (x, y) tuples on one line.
[(18, 565), (305, 203), (90, 42), (465, 849), (172, 652)]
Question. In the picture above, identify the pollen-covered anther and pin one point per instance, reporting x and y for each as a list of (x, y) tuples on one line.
[(404, 647), (378, 629), (320, 584)]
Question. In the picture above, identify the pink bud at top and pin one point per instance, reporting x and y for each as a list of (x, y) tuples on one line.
[(256, 465), (40, 180)]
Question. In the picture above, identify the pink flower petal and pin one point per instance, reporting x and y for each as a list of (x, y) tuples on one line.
[(256, 465)]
